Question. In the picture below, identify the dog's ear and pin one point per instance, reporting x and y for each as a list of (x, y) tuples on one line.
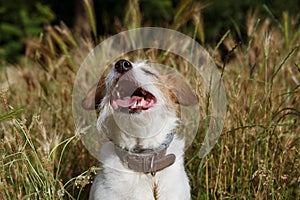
[(94, 96), (180, 91)]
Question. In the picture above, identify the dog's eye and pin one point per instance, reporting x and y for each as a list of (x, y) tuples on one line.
[(150, 73)]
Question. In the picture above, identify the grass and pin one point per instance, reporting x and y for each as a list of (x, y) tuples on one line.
[(256, 157)]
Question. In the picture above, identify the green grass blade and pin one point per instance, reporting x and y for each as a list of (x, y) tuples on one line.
[(11, 114)]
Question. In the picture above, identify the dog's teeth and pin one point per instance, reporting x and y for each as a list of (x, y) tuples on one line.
[(118, 94), (143, 102), (134, 105)]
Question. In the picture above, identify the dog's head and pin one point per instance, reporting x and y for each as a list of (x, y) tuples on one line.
[(136, 98)]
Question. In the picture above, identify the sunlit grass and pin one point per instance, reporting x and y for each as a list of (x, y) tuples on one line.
[(256, 157)]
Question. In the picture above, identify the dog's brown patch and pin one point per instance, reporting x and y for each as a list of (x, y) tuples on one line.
[(95, 95), (155, 191), (180, 91)]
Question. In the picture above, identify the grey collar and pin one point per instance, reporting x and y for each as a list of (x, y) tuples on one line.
[(148, 160)]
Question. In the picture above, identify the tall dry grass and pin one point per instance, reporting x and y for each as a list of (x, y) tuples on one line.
[(256, 157)]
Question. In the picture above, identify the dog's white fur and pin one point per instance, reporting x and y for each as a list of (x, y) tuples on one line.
[(117, 182)]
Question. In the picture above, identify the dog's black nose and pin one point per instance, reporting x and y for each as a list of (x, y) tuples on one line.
[(123, 66)]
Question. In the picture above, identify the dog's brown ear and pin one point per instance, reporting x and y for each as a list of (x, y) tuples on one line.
[(94, 96), (181, 92)]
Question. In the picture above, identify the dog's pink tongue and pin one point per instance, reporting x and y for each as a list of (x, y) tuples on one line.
[(126, 101)]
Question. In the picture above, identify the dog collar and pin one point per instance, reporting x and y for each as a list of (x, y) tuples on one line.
[(148, 160)]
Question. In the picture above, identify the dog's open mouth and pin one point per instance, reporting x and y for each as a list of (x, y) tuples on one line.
[(127, 97)]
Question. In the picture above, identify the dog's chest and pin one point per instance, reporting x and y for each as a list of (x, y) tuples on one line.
[(139, 186), (119, 183)]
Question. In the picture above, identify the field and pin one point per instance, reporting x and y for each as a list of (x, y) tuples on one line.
[(256, 157)]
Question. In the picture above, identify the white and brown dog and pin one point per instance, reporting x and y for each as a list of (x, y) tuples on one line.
[(144, 159)]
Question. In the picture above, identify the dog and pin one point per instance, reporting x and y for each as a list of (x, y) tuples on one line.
[(144, 158)]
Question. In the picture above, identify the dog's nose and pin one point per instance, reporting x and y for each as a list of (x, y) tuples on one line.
[(123, 66)]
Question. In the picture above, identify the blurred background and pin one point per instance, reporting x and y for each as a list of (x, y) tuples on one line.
[(22, 20)]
